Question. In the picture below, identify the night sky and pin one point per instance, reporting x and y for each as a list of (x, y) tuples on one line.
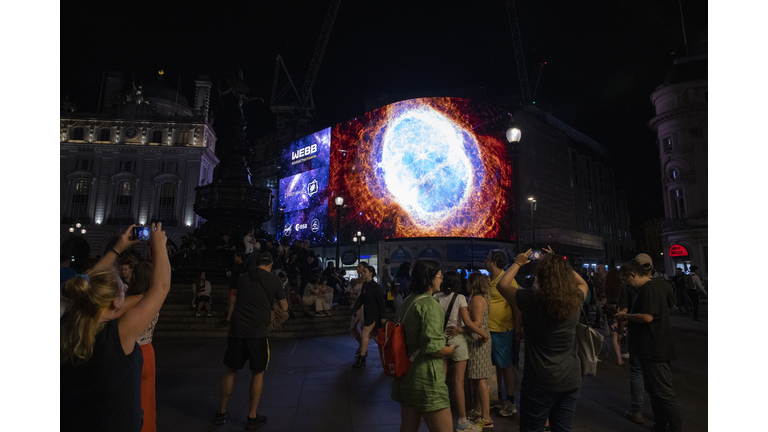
[(603, 59)]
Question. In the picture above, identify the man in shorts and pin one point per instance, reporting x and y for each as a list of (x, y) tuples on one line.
[(504, 346), (248, 337)]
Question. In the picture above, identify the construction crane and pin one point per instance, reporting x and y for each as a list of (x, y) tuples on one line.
[(517, 43), (295, 105)]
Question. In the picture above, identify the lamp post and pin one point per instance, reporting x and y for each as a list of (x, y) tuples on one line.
[(513, 135), (533, 226), (280, 224), (358, 239), (339, 200)]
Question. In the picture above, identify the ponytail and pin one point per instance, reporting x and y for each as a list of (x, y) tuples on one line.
[(91, 294)]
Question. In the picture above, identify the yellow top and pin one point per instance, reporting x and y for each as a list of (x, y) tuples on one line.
[(500, 319)]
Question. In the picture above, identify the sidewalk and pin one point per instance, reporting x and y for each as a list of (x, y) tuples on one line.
[(311, 386)]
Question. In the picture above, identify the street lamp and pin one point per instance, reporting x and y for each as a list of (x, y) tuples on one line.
[(533, 226), (339, 200), (358, 239), (513, 136)]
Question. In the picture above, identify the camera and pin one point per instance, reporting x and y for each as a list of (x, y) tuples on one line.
[(141, 233)]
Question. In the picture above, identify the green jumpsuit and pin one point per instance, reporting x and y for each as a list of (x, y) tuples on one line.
[(423, 387)]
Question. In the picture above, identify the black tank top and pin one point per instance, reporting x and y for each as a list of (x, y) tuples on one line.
[(103, 394)]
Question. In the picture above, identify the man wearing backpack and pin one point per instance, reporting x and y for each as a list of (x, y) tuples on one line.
[(678, 282), (692, 287)]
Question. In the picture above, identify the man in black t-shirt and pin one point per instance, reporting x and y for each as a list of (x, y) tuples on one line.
[(248, 339), (650, 340), (234, 275)]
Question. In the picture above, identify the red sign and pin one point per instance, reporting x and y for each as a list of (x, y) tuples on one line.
[(678, 251)]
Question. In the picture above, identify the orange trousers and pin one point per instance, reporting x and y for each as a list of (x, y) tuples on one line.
[(148, 388)]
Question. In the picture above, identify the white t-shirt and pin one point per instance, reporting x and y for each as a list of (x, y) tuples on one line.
[(445, 300), (248, 245)]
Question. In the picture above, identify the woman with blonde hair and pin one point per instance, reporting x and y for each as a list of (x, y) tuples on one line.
[(101, 363), (552, 379), (479, 345)]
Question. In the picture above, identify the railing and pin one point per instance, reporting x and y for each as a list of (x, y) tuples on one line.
[(683, 223), (85, 220), (121, 220)]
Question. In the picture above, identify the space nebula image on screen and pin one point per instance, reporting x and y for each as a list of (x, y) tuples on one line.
[(308, 224), (308, 153), (423, 168), (304, 190)]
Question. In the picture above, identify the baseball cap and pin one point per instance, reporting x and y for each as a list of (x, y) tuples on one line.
[(644, 259)]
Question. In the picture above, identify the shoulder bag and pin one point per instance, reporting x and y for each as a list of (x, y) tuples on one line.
[(589, 343)]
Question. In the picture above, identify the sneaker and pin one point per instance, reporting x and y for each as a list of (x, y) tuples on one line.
[(197, 314), (468, 426), (209, 315), (635, 416), (485, 423), (508, 409), (497, 404), (255, 422), (220, 418), (473, 415)]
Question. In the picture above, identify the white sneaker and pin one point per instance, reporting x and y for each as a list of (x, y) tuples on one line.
[(209, 315), (197, 314), (468, 427), (508, 409)]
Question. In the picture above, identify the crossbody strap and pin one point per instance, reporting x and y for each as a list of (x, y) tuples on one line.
[(399, 321), (448, 312)]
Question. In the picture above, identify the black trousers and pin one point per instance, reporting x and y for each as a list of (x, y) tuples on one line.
[(657, 378), (693, 295)]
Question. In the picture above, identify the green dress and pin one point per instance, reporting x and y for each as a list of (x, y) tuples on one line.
[(423, 387)]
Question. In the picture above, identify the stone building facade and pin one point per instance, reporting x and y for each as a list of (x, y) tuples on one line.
[(681, 124), (138, 161)]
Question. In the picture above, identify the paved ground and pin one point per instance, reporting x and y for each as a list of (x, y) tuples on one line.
[(310, 386)]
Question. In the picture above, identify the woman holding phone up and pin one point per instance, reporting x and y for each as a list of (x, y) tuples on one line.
[(101, 363), (422, 391)]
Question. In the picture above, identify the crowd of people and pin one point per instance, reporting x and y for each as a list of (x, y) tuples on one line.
[(473, 323)]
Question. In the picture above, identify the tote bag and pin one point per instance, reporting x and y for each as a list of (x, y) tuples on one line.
[(589, 343), (391, 341)]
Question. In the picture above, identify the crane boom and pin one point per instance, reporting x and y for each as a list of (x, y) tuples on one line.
[(317, 57), (525, 87)]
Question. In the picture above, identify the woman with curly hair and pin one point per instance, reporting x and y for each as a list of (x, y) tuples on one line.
[(101, 363), (552, 379)]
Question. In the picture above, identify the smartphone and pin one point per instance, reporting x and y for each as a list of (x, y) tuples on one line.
[(141, 233), (535, 255)]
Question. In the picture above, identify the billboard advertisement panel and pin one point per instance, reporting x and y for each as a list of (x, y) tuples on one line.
[(308, 153), (431, 167), (308, 224), (304, 190)]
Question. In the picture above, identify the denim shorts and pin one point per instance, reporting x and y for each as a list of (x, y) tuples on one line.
[(502, 344)]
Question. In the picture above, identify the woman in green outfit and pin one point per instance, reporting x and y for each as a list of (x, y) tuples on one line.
[(422, 391)]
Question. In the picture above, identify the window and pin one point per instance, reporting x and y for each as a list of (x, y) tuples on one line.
[(589, 205), (166, 204), (124, 200), (157, 136), (127, 166), (204, 176), (667, 144), (77, 134), (183, 138), (674, 174), (80, 198), (84, 164), (591, 225), (105, 134), (678, 203), (169, 167)]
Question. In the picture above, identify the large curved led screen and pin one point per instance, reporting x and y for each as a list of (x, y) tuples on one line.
[(431, 167)]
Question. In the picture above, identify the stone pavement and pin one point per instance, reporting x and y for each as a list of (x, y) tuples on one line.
[(311, 386)]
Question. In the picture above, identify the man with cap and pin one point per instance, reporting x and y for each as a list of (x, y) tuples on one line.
[(651, 341), (248, 338)]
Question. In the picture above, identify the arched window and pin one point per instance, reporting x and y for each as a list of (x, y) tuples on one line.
[(80, 196), (167, 201), (124, 201)]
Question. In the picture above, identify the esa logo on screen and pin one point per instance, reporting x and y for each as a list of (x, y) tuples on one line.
[(306, 151), (315, 225), (312, 188), (300, 226)]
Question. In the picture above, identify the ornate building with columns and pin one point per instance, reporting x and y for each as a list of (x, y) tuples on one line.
[(137, 160), (681, 125)]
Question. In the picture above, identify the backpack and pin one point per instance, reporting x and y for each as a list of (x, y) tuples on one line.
[(688, 282), (391, 341)]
